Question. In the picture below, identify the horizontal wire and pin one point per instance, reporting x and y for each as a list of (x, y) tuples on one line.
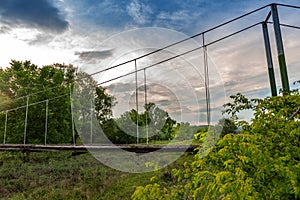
[(232, 34), (286, 25), (286, 5), (290, 26), (173, 44), (182, 54), (35, 103), (28, 95)]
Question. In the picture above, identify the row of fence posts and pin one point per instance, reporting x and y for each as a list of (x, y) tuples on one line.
[(91, 111), (46, 121), (72, 117)]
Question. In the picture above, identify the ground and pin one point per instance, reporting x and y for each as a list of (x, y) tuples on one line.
[(60, 175)]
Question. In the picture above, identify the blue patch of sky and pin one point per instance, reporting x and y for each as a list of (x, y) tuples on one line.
[(189, 17), (99, 13), (176, 14)]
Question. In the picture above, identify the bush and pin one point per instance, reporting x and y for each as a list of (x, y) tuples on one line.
[(261, 162)]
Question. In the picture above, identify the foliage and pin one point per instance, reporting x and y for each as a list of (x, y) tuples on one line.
[(225, 126), (24, 78), (42, 88), (159, 122), (92, 106), (185, 131), (103, 104), (261, 162), (117, 135), (153, 121)]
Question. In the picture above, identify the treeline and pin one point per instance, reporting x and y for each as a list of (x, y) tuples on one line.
[(154, 124), (49, 92)]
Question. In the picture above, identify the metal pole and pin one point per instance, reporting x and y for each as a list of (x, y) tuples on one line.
[(91, 136), (46, 121), (72, 116), (206, 77), (26, 117), (269, 59), (137, 103), (146, 102), (5, 127), (281, 57)]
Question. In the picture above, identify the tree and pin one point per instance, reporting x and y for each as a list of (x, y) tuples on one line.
[(46, 87), (160, 124), (185, 131), (24, 83), (92, 106), (103, 104), (225, 126), (154, 120)]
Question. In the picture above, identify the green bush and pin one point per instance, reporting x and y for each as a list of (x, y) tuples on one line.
[(261, 162)]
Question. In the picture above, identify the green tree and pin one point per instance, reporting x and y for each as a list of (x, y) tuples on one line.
[(160, 124), (103, 104), (153, 120), (24, 82), (186, 131), (225, 126), (92, 106)]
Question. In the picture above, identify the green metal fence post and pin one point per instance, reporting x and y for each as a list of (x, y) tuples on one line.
[(269, 59), (281, 57)]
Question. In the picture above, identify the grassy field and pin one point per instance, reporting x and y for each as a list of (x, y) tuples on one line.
[(59, 175)]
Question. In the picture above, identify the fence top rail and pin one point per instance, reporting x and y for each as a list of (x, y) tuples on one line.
[(130, 148)]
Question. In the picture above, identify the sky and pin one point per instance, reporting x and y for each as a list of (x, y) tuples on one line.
[(96, 34)]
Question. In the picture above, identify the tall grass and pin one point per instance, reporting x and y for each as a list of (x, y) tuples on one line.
[(59, 175)]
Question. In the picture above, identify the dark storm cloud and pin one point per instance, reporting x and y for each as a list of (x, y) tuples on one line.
[(32, 13), (92, 55)]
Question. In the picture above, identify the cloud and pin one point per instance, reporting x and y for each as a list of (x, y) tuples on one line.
[(93, 56), (41, 39), (4, 29), (139, 11), (181, 15), (181, 105), (31, 13)]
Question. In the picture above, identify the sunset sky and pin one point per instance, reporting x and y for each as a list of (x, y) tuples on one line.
[(96, 34)]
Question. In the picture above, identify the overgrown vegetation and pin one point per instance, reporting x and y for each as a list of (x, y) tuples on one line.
[(59, 175), (260, 162)]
